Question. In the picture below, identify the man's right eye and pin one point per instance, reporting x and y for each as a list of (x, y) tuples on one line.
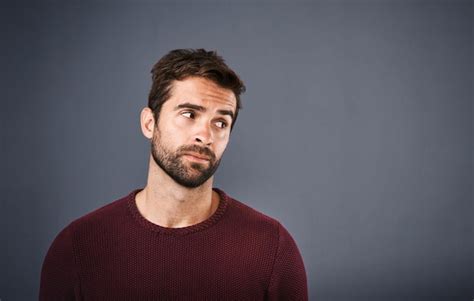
[(188, 114)]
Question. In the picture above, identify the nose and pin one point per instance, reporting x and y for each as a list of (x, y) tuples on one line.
[(204, 135)]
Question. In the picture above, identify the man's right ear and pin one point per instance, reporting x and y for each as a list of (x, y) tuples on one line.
[(147, 122)]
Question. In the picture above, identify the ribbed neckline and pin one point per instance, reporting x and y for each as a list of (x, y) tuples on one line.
[(214, 218)]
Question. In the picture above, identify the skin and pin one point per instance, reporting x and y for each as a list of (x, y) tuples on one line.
[(163, 201)]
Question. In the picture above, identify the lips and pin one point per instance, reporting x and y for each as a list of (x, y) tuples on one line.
[(198, 156)]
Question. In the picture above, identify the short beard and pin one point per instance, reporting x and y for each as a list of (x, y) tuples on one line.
[(172, 163)]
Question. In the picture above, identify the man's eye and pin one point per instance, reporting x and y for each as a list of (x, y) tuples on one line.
[(221, 124), (188, 114)]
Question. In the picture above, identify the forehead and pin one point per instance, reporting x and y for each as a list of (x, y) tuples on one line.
[(203, 92)]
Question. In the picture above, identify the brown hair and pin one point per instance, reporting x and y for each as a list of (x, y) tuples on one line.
[(179, 64)]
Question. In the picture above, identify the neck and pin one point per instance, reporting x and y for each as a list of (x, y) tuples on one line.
[(168, 204)]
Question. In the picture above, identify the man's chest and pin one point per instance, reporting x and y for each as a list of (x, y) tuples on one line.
[(168, 268)]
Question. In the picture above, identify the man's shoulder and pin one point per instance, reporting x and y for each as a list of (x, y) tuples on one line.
[(252, 218), (108, 214), (253, 214), (96, 224)]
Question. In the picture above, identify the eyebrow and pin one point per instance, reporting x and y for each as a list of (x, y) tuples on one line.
[(199, 108)]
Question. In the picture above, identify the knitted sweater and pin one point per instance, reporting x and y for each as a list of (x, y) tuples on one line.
[(114, 253)]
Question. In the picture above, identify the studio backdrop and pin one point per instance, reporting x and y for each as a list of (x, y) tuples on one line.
[(356, 130)]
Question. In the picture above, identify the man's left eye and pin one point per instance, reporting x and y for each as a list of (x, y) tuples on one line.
[(221, 124)]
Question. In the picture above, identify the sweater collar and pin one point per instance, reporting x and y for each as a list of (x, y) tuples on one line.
[(214, 218)]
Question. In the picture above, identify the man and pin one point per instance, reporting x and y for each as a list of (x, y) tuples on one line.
[(178, 238)]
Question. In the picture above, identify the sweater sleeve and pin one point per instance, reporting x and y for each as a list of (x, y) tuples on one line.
[(58, 274), (288, 280)]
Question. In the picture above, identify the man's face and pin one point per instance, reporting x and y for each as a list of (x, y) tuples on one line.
[(193, 130)]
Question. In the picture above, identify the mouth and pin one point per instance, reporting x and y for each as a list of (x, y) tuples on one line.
[(196, 157)]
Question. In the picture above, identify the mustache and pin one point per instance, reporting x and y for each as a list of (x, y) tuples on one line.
[(197, 149)]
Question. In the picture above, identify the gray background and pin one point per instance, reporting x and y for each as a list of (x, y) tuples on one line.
[(356, 131)]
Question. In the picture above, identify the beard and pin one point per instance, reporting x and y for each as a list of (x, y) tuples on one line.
[(187, 174)]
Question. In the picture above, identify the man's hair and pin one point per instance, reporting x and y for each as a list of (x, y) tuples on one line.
[(179, 64)]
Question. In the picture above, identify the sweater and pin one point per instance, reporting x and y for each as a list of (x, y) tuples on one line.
[(114, 253)]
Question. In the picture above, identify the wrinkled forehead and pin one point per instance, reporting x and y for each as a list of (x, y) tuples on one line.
[(202, 91)]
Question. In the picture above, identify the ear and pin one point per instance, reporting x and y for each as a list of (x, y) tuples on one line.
[(147, 122)]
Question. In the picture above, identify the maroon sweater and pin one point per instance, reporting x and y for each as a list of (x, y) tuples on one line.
[(114, 253)]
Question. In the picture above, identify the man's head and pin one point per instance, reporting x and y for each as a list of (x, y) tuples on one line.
[(193, 105), (179, 64)]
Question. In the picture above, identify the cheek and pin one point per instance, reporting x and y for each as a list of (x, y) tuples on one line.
[(173, 129), (222, 145), (167, 141), (181, 123)]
